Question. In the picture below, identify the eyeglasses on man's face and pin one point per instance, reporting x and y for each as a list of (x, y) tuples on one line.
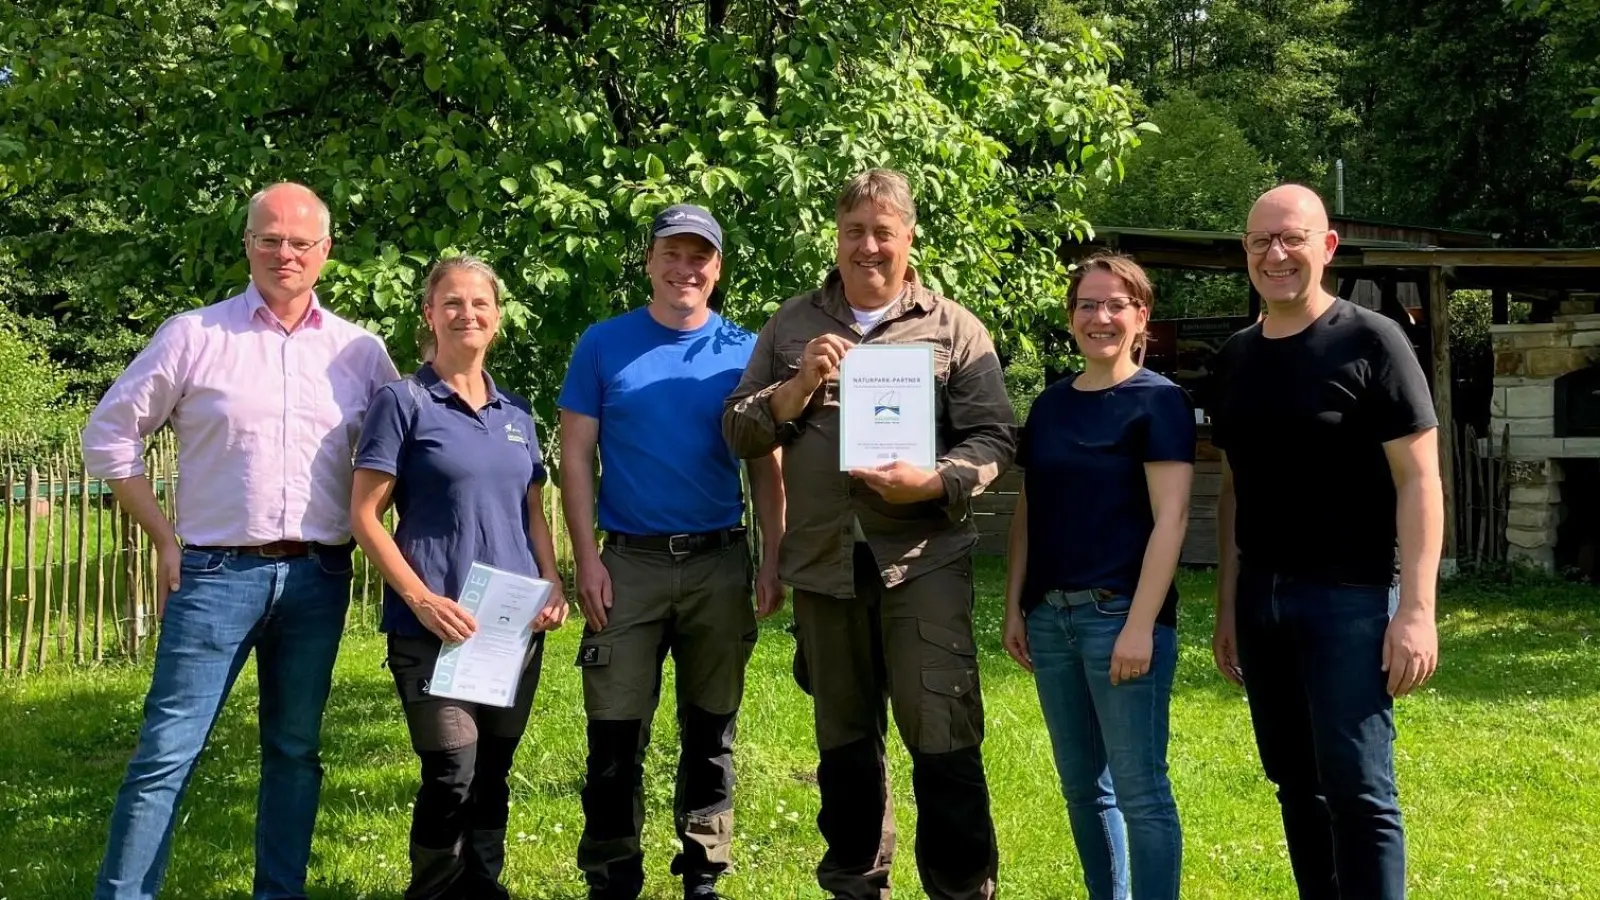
[(271, 243), (1258, 242), (1116, 306)]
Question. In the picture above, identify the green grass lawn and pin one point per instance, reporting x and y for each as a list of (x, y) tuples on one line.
[(1499, 763)]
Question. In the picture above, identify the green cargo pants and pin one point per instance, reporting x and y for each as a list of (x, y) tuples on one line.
[(699, 608), (909, 647)]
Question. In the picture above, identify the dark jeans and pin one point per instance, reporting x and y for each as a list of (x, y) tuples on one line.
[(1312, 655), (291, 613)]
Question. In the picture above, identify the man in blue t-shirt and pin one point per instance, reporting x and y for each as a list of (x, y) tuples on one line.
[(675, 576)]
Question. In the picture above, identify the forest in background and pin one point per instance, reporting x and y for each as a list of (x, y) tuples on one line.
[(543, 134)]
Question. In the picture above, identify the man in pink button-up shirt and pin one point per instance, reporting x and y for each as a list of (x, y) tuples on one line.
[(266, 391)]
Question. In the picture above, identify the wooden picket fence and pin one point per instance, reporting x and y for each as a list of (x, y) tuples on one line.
[(77, 568), (1483, 494), (79, 574), (78, 583)]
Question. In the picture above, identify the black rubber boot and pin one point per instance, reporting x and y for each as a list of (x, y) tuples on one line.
[(485, 859), (435, 873)]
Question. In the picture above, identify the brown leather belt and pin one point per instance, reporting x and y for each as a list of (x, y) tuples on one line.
[(274, 550)]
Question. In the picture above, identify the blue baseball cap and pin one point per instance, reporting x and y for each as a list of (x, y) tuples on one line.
[(686, 218)]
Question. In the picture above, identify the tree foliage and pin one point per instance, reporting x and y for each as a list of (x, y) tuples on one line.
[(1199, 172), (542, 136), (1445, 113), (1465, 112), (1274, 65), (32, 410), (1577, 17)]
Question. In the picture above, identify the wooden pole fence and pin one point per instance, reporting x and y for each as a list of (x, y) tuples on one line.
[(30, 509), (49, 585), (82, 597), (99, 572), (6, 588), (79, 576)]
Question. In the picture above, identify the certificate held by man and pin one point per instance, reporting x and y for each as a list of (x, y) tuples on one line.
[(886, 406), (486, 667)]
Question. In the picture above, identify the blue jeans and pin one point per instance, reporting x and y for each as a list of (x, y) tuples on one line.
[(1312, 656), (1109, 737), (291, 612)]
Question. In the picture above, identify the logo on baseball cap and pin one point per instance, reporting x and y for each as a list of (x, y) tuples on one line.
[(686, 218)]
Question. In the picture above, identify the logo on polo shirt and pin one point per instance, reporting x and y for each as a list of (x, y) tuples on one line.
[(513, 433)]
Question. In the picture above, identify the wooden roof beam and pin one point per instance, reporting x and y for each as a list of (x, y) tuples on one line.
[(1490, 258)]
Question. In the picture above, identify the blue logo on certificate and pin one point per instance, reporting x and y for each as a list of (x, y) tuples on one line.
[(887, 407)]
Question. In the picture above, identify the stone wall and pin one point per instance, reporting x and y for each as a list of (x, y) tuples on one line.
[(1534, 513), (1527, 361)]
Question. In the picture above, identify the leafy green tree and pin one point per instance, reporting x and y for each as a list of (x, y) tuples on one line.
[(1199, 172), (32, 411), (1577, 17), (1465, 112), (543, 136), (1277, 64), (1274, 65)]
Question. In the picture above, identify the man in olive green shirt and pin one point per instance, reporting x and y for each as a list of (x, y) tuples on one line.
[(880, 559)]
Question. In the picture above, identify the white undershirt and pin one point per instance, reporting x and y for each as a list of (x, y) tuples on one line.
[(868, 319)]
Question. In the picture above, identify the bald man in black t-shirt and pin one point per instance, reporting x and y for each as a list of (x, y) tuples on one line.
[(1331, 460)]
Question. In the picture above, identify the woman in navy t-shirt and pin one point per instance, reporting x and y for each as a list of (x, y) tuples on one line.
[(1108, 457), (460, 460)]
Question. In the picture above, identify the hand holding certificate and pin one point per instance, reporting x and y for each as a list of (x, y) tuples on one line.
[(487, 667), (887, 410)]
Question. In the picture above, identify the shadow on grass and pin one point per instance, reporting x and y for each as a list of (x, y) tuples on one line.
[(85, 736), (66, 742), (1533, 639), (71, 743)]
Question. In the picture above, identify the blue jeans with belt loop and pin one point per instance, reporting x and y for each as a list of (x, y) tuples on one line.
[(291, 612), (1110, 744), (1312, 655)]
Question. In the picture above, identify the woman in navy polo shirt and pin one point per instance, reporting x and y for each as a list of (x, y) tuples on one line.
[(460, 461), (1091, 610)]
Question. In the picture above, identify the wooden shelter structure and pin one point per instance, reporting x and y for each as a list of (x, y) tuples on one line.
[(1405, 272)]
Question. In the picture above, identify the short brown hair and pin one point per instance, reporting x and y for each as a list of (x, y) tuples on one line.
[(880, 187), (1129, 272)]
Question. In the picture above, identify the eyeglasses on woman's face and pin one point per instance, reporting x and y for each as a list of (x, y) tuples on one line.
[(1116, 306)]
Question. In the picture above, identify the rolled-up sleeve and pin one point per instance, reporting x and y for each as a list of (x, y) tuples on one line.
[(747, 423), (138, 403), (982, 425)]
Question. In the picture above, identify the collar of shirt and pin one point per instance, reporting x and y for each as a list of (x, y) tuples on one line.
[(256, 307), (913, 296), (441, 389)]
